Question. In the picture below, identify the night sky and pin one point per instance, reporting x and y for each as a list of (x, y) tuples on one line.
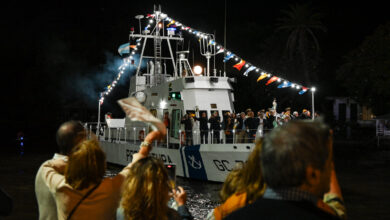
[(58, 55)]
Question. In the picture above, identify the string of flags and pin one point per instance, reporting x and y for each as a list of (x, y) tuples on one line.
[(131, 49), (241, 63)]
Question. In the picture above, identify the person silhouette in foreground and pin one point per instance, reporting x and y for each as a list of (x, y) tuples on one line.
[(298, 171), (147, 190), (69, 134)]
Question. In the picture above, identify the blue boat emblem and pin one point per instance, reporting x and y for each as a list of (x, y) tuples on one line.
[(193, 163)]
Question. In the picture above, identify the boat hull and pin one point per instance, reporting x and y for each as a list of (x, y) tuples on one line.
[(209, 162)]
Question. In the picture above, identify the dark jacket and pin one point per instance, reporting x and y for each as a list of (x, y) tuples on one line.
[(239, 124), (215, 123), (252, 123), (203, 123), (187, 124), (182, 213), (280, 209)]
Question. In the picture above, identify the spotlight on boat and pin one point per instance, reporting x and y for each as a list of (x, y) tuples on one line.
[(163, 104), (198, 70)]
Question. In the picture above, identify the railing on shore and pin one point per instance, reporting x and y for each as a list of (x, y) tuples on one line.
[(184, 138)]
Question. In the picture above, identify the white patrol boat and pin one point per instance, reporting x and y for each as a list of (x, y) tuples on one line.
[(179, 92)]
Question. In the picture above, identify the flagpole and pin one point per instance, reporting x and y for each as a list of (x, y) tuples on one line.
[(312, 101), (224, 42), (139, 17), (98, 123)]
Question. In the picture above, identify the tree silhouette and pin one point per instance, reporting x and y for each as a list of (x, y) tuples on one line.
[(300, 23), (366, 71)]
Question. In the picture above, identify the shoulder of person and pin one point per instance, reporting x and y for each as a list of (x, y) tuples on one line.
[(173, 214)]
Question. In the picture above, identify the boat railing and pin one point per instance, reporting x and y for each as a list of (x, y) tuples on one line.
[(233, 136), (136, 135)]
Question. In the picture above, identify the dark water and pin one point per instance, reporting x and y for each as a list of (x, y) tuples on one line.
[(363, 173)]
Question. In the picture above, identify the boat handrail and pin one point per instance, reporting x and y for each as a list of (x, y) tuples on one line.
[(137, 134)]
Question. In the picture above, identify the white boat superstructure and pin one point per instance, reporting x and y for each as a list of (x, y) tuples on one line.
[(179, 92)]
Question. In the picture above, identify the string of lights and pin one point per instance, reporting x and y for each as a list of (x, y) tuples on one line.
[(201, 35), (122, 68)]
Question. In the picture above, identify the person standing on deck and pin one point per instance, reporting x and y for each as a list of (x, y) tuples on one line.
[(204, 128), (240, 128), (186, 120), (215, 126)]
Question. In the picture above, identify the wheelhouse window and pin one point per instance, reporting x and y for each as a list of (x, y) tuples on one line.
[(175, 124)]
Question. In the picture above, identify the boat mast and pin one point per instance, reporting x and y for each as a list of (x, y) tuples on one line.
[(153, 30), (224, 44)]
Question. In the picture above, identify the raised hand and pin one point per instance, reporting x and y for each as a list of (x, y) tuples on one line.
[(137, 112)]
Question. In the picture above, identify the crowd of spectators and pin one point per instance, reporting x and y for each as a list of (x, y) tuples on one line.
[(289, 175), (243, 127), (71, 184)]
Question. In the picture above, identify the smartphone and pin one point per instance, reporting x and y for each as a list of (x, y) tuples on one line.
[(171, 168)]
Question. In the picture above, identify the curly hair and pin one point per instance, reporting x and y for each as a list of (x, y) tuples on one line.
[(146, 190), (247, 178)]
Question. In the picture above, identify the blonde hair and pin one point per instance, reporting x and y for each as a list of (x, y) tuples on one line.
[(247, 178), (86, 166), (145, 190)]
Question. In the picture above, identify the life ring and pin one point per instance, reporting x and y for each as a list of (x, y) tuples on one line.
[(183, 138), (141, 135)]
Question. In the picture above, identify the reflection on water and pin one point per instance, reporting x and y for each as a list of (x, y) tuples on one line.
[(202, 196)]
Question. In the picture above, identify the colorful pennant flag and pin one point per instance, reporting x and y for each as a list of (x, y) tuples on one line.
[(248, 70), (228, 57), (239, 65), (221, 50), (124, 48), (186, 28), (150, 15), (273, 79), (261, 77), (138, 40), (304, 89), (212, 42), (284, 85), (172, 22)]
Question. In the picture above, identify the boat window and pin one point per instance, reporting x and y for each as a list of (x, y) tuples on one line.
[(213, 105), (212, 112), (175, 123)]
